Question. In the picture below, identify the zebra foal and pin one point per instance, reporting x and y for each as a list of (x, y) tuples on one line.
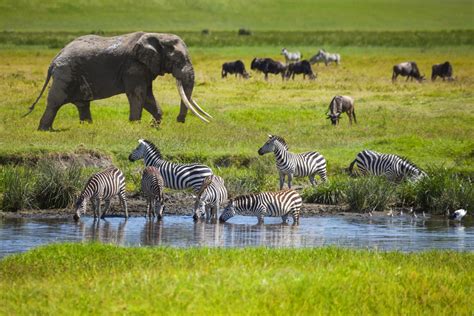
[(176, 176), (281, 203), (393, 167), (289, 164), (152, 188), (210, 197), (102, 186)]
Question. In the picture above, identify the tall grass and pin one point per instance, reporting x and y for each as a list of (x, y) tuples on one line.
[(369, 194), (17, 188), (331, 192)]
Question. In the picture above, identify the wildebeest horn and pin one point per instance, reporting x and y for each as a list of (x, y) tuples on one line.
[(187, 103)]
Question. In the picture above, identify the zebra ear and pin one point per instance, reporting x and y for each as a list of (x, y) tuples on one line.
[(270, 136)]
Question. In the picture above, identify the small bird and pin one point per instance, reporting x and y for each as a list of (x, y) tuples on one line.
[(458, 215)]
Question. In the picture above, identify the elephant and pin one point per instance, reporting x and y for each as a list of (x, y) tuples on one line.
[(93, 67)]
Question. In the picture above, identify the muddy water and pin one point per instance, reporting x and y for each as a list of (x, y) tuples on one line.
[(385, 233)]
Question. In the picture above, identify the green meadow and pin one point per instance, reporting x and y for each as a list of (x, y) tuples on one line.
[(77, 279)]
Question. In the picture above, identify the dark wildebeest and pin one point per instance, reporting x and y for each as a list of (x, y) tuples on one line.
[(268, 65), (445, 71), (301, 67), (408, 69), (340, 104), (236, 67)]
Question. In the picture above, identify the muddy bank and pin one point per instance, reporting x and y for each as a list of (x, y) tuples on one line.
[(178, 203)]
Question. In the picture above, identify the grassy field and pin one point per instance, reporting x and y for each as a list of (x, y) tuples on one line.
[(98, 279), (280, 15)]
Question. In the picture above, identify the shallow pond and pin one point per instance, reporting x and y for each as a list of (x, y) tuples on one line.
[(379, 232)]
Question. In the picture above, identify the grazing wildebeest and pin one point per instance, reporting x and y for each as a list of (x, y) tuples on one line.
[(444, 70), (236, 67), (322, 55), (268, 65), (301, 67), (340, 104), (408, 69), (291, 57)]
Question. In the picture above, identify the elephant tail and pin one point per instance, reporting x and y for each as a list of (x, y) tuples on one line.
[(48, 77)]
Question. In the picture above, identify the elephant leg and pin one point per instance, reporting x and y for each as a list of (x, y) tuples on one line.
[(84, 108), (56, 99), (152, 106), (136, 97)]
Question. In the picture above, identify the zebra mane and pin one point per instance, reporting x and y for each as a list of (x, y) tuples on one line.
[(205, 183), (152, 148), (280, 139)]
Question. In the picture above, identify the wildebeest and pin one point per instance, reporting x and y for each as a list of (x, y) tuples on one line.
[(291, 57), (244, 32), (236, 67), (268, 65), (444, 70), (340, 104), (301, 67), (322, 55), (408, 69)]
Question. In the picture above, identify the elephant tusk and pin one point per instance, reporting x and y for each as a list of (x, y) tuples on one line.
[(200, 109), (184, 98)]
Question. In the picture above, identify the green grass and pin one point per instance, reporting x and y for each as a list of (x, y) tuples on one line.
[(100, 279), (182, 15)]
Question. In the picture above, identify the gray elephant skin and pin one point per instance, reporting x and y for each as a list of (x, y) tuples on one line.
[(93, 67)]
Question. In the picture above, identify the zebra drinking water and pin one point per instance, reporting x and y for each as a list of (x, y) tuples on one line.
[(152, 188), (209, 198), (291, 57), (176, 176), (393, 167), (102, 186), (290, 164), (281, 203)]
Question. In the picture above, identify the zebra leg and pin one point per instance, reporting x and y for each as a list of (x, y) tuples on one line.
[(148, 206), (98, 208), (123, 201), (106, 208), (260, 219), (296, 217), (282, 180), (284, 218), (311, 179), (290, 178)]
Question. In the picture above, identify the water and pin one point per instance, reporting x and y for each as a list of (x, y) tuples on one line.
[(384, 233)]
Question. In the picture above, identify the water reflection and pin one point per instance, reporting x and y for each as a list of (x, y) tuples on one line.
[(388, 233)]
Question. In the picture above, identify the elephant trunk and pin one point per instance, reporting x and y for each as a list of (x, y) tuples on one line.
[(185, 84)]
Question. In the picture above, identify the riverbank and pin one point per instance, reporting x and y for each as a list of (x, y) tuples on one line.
[(104, 279)]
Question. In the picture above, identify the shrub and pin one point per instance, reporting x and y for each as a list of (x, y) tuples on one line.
[(368, 194), (444, 191), (330, 192), (56, 186), (17, 188)]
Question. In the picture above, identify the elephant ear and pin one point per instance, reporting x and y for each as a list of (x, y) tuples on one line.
[(149, 51)]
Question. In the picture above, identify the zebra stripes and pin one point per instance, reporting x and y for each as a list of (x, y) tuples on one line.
[(290, 164), (211, 195), (175, 175), (393, 167), (281, 203), (102, 186), (152, 188)]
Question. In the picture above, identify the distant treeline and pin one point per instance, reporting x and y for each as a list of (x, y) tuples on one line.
[(277, 38)]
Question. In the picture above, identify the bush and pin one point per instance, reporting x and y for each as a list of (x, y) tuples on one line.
[(444, 191), (368, 194), (17, 188), (56, 186), (330, 192)]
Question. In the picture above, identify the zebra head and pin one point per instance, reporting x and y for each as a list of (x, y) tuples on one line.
[(144, 148), (271, 144), (199, 208), (228, 212), (80, 207)]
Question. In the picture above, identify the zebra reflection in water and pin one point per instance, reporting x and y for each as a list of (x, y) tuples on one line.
[(103, 231)]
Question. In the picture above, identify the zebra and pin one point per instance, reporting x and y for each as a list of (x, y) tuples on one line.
[(176, 176), (393, 167), (322, 55), (290, 164), (291, 57), (102, 186), (281, 203), (210, 197), (152, 188)]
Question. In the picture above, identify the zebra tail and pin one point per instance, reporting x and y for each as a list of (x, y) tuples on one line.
[(48, 77)]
